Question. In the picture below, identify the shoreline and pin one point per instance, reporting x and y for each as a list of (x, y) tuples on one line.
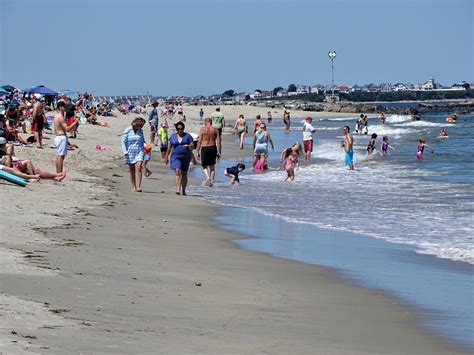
[(123, 291), (289, 306)]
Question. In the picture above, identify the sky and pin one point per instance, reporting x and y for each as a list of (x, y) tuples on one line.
[(204, 47)]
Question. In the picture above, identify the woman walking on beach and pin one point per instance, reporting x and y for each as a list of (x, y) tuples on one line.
[(241, 128), (180, 146), (260, 145), (133, 144)]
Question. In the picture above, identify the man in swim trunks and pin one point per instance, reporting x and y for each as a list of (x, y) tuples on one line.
[(347, 145), (39, 120), (208, 149), (308, 131), (61, 129)]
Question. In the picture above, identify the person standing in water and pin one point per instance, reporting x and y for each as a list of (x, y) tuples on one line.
[(371, 145), (269, 117), (308, 131), (347, 145), (287, 120), (385, 145), (241, 128), (421, 148), (382, 118)]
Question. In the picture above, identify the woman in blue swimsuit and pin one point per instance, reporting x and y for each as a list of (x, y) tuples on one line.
[(260, 145), (180, 145)]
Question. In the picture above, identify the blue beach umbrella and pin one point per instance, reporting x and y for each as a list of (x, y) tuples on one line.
[(41, 89), (3, 91)]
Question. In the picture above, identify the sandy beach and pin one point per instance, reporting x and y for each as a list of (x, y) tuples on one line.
[(89, 267)]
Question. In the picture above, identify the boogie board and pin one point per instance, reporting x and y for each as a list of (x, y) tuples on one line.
[(12, 178)]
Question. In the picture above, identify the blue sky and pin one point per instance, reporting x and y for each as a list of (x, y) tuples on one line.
[(204, 47)]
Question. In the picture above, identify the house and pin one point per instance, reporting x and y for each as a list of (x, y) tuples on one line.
[(302, 89), (344, 88), (429, 85), (256, 94), (400, 87), (282, 92), (316, 89)]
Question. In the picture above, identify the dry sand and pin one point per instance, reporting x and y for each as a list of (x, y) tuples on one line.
[(89, 267)]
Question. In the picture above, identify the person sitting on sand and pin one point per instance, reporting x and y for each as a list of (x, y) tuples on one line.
[(18, 173), (233, 173), (25, 167)]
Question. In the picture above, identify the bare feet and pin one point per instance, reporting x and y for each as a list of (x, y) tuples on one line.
[(60, 177), (147, 172)]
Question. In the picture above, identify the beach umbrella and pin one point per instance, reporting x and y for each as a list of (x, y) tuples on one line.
[(41, 89), (3, 91), (8, 88)]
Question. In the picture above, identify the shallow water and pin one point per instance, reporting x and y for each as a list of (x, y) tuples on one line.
[(426, 203), (333, 217)]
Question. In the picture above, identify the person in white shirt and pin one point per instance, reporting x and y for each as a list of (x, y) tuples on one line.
[(308, 131)]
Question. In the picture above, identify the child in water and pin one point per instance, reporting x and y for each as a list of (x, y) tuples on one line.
[(291, 161), (421, 148), (371, 145), (385, 145), (233, 173)]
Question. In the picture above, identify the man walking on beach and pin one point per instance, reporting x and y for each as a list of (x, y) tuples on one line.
[(61, 129), (39, 121), (208, 149), (347, 145), (218, 120), (308, 131), (153, 120)]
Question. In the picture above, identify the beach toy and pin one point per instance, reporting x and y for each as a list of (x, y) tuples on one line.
[(12, 178), (105, 124), (147, 148), (419, 155)]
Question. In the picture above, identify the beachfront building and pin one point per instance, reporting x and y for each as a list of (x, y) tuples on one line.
[(282, 92), (429, 85)]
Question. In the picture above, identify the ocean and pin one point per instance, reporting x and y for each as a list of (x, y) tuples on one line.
[(423, 207)]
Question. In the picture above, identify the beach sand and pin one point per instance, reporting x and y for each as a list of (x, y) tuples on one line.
[(88, 266)]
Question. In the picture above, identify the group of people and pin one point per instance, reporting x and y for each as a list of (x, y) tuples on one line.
[(25, 122)]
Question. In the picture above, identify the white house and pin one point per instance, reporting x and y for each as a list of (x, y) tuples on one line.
[(429, 84)]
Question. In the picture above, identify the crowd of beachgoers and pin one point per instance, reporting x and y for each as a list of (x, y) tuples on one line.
[(27, 118)]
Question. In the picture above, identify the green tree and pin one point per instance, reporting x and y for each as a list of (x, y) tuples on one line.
[(228, 93), (292, 88)]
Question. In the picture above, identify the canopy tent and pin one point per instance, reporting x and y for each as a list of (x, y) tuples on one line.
[(41, 89), (8, 88)]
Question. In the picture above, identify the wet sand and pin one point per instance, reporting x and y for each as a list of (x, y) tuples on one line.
[(149, 273)]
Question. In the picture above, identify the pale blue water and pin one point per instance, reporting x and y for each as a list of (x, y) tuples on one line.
[(418, 206)]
